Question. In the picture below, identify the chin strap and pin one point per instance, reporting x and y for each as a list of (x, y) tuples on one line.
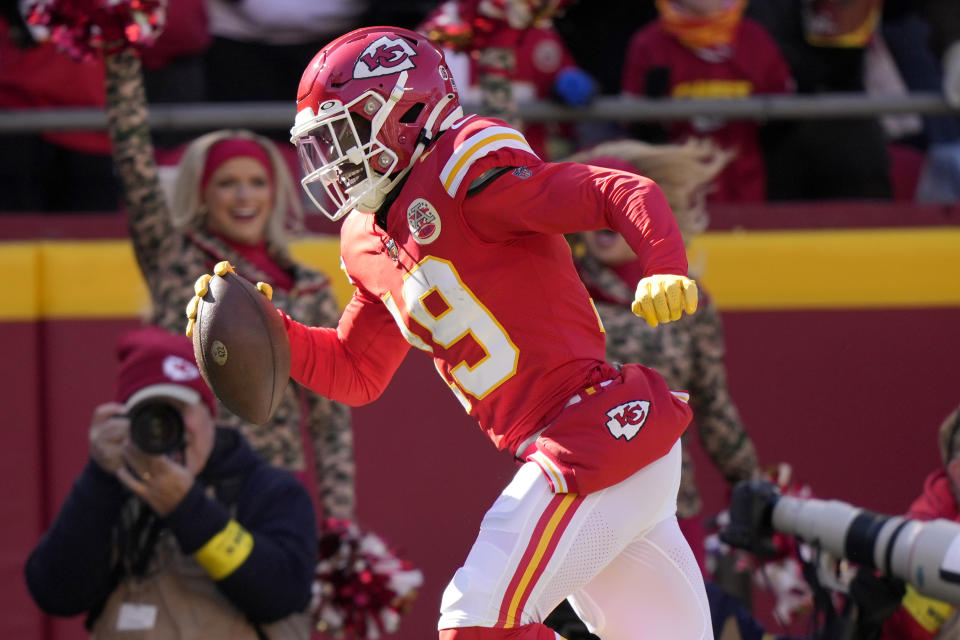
[(373, 199)]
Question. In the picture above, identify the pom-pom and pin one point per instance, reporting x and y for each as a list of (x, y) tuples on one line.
[(468, 25), (361, 588), (82, 28)]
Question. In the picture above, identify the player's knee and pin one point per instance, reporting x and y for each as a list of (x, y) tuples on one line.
[(467, 598)]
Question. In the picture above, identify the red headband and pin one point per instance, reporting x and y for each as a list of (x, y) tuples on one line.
[(233, 148)]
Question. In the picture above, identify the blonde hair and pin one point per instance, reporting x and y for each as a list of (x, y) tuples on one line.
[(684, 172), (187, 212)]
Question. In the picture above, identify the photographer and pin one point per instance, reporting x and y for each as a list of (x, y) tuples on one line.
[(919, 617), (175, 528)]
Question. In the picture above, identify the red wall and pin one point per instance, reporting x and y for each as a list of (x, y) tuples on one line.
[(21, 470)]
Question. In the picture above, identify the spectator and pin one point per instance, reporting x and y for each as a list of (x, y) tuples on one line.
[(825, 51), (598, 32), (205, 541), (260, 46), (944, 22), (889, 608), (907, 35), (73, 171), (706, 49), (688, 353), (506, 58), (62, 171), (920, 617), (233, 199)]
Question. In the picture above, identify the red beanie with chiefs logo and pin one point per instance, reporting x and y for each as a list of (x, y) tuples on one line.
[(154, 363)]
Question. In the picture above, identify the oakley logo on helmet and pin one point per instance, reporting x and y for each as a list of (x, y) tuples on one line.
[(384, 57), (626, 419)]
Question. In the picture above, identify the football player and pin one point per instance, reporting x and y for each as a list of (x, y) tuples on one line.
[(452, 234)]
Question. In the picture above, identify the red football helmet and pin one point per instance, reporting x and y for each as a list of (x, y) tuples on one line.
[(368, 105)]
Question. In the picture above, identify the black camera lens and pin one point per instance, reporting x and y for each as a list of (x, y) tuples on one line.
[(156, 427)]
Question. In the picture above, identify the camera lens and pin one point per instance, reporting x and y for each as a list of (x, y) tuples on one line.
[(156, 427)]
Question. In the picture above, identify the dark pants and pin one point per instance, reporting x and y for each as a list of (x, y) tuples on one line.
[(824, 159)]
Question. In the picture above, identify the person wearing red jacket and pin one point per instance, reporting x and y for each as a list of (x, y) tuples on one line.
[(920, 617), (452, 234), (59, 171), (508, 54), (706, 49)]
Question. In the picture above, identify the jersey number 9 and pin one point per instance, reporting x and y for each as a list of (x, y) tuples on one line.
[(455, 315)]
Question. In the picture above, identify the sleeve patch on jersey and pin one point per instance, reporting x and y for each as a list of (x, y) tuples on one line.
[(474, 148)]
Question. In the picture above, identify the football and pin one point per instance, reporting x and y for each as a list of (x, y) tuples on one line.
[(241, 347)]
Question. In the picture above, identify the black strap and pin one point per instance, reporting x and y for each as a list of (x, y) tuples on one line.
[(381, 216), (486, 179)]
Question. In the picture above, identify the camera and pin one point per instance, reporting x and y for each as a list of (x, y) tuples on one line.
[(925, 554), (156, 427)]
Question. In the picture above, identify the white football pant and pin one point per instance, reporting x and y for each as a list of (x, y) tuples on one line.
[(618, 554)]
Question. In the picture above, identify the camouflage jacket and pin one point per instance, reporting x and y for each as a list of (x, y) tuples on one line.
[(309, 435), (689, 354)]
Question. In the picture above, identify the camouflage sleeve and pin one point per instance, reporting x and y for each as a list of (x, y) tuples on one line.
[(328, 422), (689, 501), (332, 437), (718, 423), (496, 66), (148, 218)]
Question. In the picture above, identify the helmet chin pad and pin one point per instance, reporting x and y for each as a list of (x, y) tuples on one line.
[(372, 198)]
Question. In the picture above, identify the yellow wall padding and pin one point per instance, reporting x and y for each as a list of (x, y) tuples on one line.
[(743, 270)]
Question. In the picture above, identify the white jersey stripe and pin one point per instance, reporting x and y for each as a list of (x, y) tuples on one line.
[(475, 147), (551, 470)]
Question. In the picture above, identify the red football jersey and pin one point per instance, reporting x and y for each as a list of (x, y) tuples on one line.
[(483, 280)]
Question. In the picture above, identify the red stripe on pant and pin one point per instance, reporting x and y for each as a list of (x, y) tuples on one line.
[(550, 527), (533, 631)]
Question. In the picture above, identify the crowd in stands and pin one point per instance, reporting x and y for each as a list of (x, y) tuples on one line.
[(223, 50)]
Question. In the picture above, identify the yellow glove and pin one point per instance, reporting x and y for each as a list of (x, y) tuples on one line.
[(664, 298), (202, 284)]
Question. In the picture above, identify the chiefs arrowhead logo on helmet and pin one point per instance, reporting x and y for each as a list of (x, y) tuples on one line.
[(383, 57)]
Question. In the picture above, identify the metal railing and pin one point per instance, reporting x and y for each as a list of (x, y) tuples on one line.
[(202, 116)]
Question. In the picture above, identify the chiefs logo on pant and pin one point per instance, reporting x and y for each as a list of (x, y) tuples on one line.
[(626, 419), (385, 56)]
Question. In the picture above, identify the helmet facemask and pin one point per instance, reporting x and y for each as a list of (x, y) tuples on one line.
[(344, 164)]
